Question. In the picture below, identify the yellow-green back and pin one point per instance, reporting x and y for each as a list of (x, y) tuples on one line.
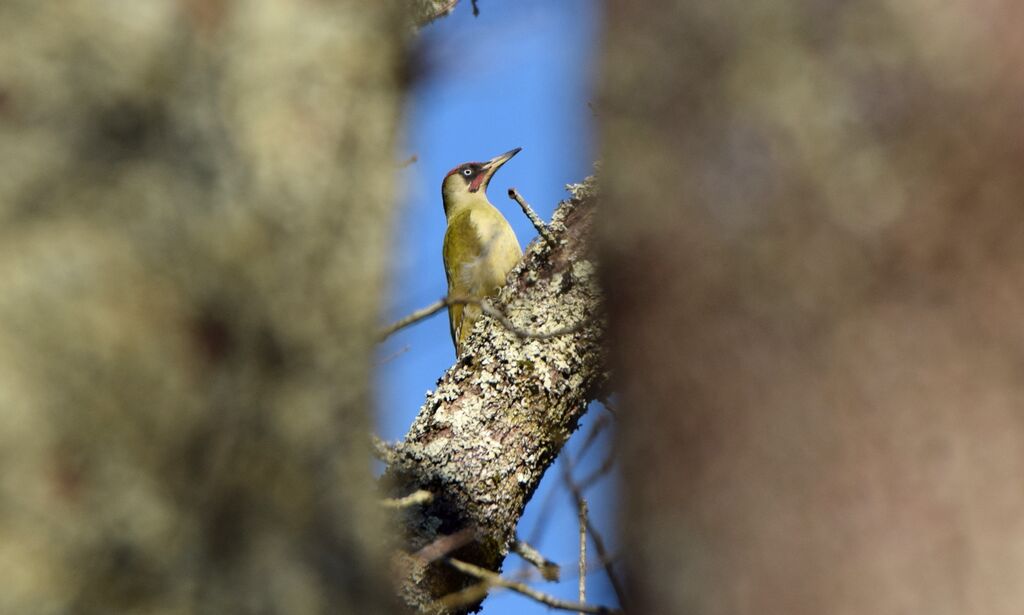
[(480, 248)]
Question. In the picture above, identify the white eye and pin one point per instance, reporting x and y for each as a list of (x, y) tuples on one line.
[(467, 172)]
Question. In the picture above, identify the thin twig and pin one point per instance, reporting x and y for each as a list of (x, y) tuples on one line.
[(583, 552), (471, 594), (420, 496), (486, 307), (548, 569), (538, 224), (408, 162), (476, 9), (608, 560), (443, 545), (549, 499), (382, 450), (599, 544), (394, 355), (474, 593), (496, 580), (413, 318)]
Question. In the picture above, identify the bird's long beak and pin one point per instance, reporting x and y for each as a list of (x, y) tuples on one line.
[(495, 163)]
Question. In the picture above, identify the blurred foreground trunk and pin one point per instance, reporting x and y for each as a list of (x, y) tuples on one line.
[(194, 204), (814, 239)]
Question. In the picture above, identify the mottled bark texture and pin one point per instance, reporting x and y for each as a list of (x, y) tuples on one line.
[(814, 240), (498, 418), (426, 11), (194, 203)]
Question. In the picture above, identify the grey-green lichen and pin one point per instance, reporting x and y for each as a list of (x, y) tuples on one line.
[(426, 11), (498, 417)]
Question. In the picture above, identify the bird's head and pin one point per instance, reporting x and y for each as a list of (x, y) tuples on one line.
[(468, 181)]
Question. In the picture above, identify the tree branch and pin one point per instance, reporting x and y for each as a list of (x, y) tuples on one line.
[(420, 496), (486, 307), (538, 224), (499, 417), (599, 544), (426, 11), (413, 318), (583, 551), (495, 579), (548, 569)]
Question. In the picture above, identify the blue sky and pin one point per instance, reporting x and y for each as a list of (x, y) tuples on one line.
[(519, 75)]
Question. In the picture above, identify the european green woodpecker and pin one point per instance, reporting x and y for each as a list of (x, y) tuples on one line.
[(480, 247)]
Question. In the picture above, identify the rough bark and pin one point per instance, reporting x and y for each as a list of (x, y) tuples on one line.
[(426, 11), (498, 418), (815, 244), (194, 202)]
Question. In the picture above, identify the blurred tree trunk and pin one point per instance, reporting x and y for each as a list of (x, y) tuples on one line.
[(814, 249), (194, 204)]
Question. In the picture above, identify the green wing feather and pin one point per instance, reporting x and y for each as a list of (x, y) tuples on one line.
[(462, 251), (461, 245)]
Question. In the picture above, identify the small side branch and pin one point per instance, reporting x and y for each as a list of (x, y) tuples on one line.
[(394, 355), (538, 224), (411, 319), (486, 307), (583, 551), (495, 580), (599, 544), (548, 569), (381, 449), (416, 498), (444, 545), (429, 10)]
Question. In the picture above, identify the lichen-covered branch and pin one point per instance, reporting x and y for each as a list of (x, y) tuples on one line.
[(499, 417), (426, 11)]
